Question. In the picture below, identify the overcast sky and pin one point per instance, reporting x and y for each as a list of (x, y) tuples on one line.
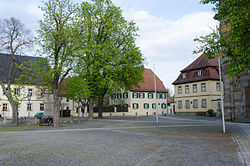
[(167, 29)]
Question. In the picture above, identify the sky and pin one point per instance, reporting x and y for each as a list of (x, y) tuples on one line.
[(167, 29)]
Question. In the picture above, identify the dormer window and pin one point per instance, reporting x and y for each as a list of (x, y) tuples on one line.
[(184, 75), (199, 72)]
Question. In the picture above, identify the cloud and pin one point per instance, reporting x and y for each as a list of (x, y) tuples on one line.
[(169, 43)]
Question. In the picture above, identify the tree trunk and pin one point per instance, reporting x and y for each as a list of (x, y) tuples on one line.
[(14, 113), (56, 109), (100, 106), (91, 108)]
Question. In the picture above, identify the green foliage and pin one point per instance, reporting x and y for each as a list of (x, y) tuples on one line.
[(210, 112), (111, 60), (234, 39)]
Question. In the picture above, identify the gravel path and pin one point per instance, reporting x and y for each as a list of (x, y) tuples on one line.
[(135, 142)]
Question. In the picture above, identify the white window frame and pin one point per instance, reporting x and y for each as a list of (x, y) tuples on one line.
[(5, 106), (200, 72), (179, 90), (194, 88), (179, 103), (135, 105), (42, 106), (195, 103), (186, 88), (203, 87), (217, 86), (30, 91), (204, 103), (29, 106), (187, 103)]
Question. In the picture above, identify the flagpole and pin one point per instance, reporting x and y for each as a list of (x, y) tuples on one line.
[(157, 120)]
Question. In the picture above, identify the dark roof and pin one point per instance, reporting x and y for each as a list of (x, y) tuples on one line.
[(148, 84), (209, 69), (201, 62), (5, 60)]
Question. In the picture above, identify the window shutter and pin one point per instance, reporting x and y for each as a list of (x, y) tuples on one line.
[(143, 95), (165, 96), (138, 94), (152, 95)]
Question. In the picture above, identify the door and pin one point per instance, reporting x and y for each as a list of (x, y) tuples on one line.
[(247, 93)]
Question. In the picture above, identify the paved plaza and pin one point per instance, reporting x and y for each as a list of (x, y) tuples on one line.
[(175, 141)]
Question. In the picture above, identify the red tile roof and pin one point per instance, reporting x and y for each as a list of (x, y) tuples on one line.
[(201, 62), (209, 69), (148, 84)]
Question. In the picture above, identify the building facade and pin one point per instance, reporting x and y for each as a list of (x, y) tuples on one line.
[(143, 101), (39, 102), (197, 88)]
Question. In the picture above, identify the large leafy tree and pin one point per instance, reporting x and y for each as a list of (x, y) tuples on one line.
[(111, 59), (14, 37), (58, 38), (232, 41)]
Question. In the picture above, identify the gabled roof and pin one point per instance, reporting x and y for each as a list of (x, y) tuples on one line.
[(209, 69), (201, 62), (6, 59), (148, 84)]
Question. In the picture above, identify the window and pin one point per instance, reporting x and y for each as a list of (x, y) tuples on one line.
[(29, 106), (160, 95), (150, 95), (67, 100), (135, 106), (142, 95), (41, 107), (199, 72), (113, 96), (203, 87), (119, 95), (195, 88), (16, 91), (187, 89), (30, 92), (146, 105), (195, 103), (204, 103), (218, 86), (184, 75), (165, 96), (179, 104), (163, 106), (179, 90), (134, 95), (125, 95), (154, 106), (187, 104), (5, 106), (6, 91)]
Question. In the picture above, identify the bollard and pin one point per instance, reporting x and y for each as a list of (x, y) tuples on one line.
[(123, 115), (110, 114), (162, 113), (136, 114), (146, 113)]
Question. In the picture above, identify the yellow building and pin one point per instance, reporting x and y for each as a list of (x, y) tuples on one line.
[(197, 88)]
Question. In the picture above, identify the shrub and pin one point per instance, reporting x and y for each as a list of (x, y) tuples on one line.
[(210, 112)]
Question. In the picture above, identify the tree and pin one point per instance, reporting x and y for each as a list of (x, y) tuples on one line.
[(111, 59), (233, 39), (58, 37), (14, 37), (75, 88)]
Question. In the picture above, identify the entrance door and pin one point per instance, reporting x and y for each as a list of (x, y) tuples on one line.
[(247, 93)]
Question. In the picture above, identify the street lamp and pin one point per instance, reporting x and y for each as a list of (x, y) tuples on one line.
[(28, 107)]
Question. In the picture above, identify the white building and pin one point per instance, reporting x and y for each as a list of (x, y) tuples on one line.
[(143, 100), (38, 103)]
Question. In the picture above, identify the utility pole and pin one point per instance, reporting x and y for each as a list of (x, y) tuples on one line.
[(221, 99), (157, 120)]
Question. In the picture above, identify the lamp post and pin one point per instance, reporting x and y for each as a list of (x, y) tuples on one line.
[(221, 99), (157, 119), (28, 109)]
